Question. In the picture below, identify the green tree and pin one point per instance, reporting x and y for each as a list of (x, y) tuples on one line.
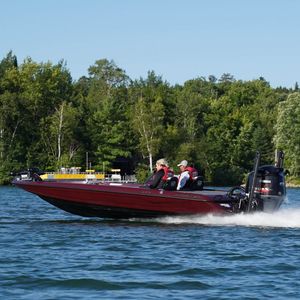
[(31, 93), (287, 135), (152, 102), (107, 117), (192, 103), (148, 123), (60, 137)]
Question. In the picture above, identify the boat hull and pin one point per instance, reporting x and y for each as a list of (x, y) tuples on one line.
[(123, 201)]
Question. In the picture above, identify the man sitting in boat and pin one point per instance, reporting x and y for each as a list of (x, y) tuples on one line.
[(187, 175), (161, 175)]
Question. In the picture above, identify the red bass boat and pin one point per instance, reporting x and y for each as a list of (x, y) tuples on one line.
[(265, 191)]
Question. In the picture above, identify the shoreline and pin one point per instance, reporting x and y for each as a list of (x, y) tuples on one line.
[(292, 185)]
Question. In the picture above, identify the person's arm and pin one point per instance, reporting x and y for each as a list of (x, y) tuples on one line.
[(184, 177), (156, 179)]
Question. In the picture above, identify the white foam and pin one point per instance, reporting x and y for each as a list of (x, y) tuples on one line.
[(285, 218)]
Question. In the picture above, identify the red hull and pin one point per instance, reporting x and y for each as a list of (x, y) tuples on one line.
[(125, 200)]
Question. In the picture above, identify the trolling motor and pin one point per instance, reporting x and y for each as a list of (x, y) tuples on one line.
[(265, 187), (32, 174)]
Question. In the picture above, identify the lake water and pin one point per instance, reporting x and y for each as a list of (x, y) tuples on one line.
[(49, 254)]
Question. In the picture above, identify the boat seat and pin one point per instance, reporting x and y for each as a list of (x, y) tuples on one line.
[(171, 184), (197, 184)]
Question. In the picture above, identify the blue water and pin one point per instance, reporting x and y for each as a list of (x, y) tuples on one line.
[(49, 254)]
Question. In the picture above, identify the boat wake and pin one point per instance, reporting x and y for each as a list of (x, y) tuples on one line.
[(285, 218)]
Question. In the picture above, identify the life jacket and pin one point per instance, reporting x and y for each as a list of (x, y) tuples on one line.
[(167, 174), (192, 172)]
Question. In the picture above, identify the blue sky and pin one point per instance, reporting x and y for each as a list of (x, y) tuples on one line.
[(179, 39)]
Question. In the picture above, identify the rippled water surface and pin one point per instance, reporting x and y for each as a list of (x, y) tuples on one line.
[(49, 254)]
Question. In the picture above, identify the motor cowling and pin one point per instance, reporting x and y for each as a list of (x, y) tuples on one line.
[(270, 181), (269, 190)]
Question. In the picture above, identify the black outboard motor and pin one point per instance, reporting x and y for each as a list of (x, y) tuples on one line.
[(269, 190)]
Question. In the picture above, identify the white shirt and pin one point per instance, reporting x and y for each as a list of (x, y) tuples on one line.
[(183, 178)]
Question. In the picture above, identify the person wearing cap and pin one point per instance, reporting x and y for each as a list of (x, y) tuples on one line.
[(187, 176), (184, 175)]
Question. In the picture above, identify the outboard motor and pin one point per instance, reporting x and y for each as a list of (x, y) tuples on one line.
[(269, 190)]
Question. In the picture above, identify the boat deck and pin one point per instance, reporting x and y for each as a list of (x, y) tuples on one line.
[(211, 192)]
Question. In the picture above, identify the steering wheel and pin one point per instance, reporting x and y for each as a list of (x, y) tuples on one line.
[(236, 192)]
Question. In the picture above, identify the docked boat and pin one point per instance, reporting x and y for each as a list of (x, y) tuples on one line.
[(265, 191), (75, 175), (72, 174)]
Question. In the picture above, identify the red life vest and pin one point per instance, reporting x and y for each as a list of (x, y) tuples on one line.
[(167, 173), (192, 172)]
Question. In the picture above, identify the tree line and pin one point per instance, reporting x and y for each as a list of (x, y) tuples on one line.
[(48, 120)]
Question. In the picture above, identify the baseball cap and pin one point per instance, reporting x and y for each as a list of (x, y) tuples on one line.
[(183, 163)]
